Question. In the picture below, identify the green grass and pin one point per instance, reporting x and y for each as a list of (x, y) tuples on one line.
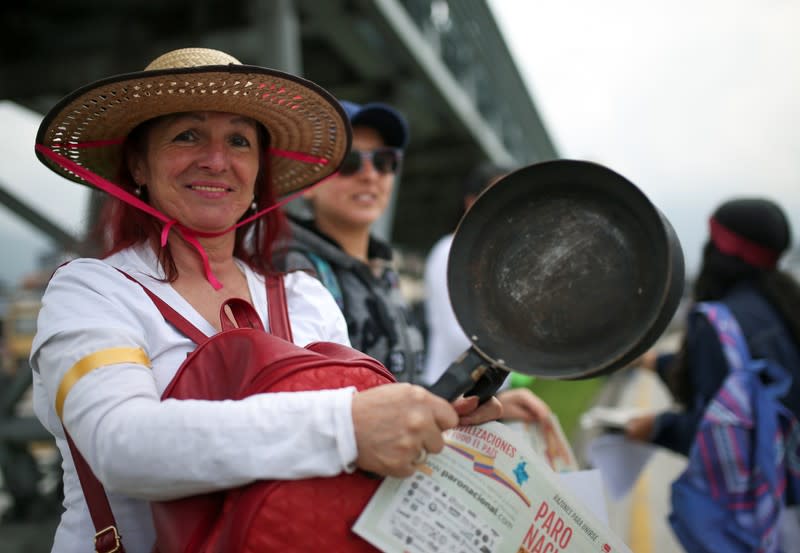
[(568, 399)]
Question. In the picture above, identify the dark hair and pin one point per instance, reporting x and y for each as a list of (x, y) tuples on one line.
[(479, 179), (763, 223), (482, 176), (121, 225)]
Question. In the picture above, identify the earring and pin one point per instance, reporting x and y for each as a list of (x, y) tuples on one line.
[(254, 205), (138, 190)]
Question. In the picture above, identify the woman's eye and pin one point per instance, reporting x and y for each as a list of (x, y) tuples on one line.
[(185, 136), (240, 141)]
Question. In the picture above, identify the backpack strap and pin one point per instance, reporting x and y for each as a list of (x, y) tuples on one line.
[(327, 277), (107, 538), (277, 308), (173, 317), (730, 335), (277, 311)]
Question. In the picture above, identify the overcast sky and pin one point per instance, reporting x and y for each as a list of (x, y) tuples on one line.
[(694, 101)]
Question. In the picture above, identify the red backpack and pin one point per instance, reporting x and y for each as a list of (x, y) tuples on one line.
[(314, 514)]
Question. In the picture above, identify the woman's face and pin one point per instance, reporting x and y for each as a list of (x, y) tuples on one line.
[(356, 200), (200, 168)]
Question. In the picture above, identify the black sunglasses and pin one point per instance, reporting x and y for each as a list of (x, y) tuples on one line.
[(384, 160)]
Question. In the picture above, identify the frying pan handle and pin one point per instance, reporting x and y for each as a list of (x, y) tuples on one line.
[(470, 374), (488, 384)]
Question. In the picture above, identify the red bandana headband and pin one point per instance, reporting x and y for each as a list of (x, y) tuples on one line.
[(188, 234), (730, 243)]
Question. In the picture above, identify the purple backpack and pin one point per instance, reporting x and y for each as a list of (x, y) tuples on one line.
[(745, 456)]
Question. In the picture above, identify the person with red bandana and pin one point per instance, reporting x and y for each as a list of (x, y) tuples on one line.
[(747, 237)]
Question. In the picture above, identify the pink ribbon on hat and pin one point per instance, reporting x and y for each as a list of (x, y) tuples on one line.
[(730, 243), (188, 234)]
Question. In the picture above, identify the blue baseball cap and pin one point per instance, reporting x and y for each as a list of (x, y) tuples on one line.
[(391, 125)]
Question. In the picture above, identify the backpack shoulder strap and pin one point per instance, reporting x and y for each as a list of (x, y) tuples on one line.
[(730, 335), (173, 317), (277, 310), (327, 277), (277, 307), (302, 259), (107, 538)]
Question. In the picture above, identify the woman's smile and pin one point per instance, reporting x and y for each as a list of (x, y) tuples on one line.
[(365, 197), (210, 190)]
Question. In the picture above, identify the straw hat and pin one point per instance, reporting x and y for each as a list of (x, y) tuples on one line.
[(308, 127)]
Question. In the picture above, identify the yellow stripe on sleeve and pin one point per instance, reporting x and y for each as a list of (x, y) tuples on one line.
[(95, 360)]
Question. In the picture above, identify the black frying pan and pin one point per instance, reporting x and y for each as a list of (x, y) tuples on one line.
[(561, 270)]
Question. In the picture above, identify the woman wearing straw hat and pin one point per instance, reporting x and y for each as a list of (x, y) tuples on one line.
[(195, 151)]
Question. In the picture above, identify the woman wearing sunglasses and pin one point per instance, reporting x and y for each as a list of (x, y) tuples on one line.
[(336, 244)]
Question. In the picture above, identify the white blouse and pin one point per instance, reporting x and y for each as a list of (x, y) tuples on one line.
[(97, 331)]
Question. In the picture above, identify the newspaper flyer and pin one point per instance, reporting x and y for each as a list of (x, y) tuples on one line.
[(549, 441), (485, 493)]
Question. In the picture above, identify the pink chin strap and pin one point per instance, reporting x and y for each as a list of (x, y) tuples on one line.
[(190, 235)]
